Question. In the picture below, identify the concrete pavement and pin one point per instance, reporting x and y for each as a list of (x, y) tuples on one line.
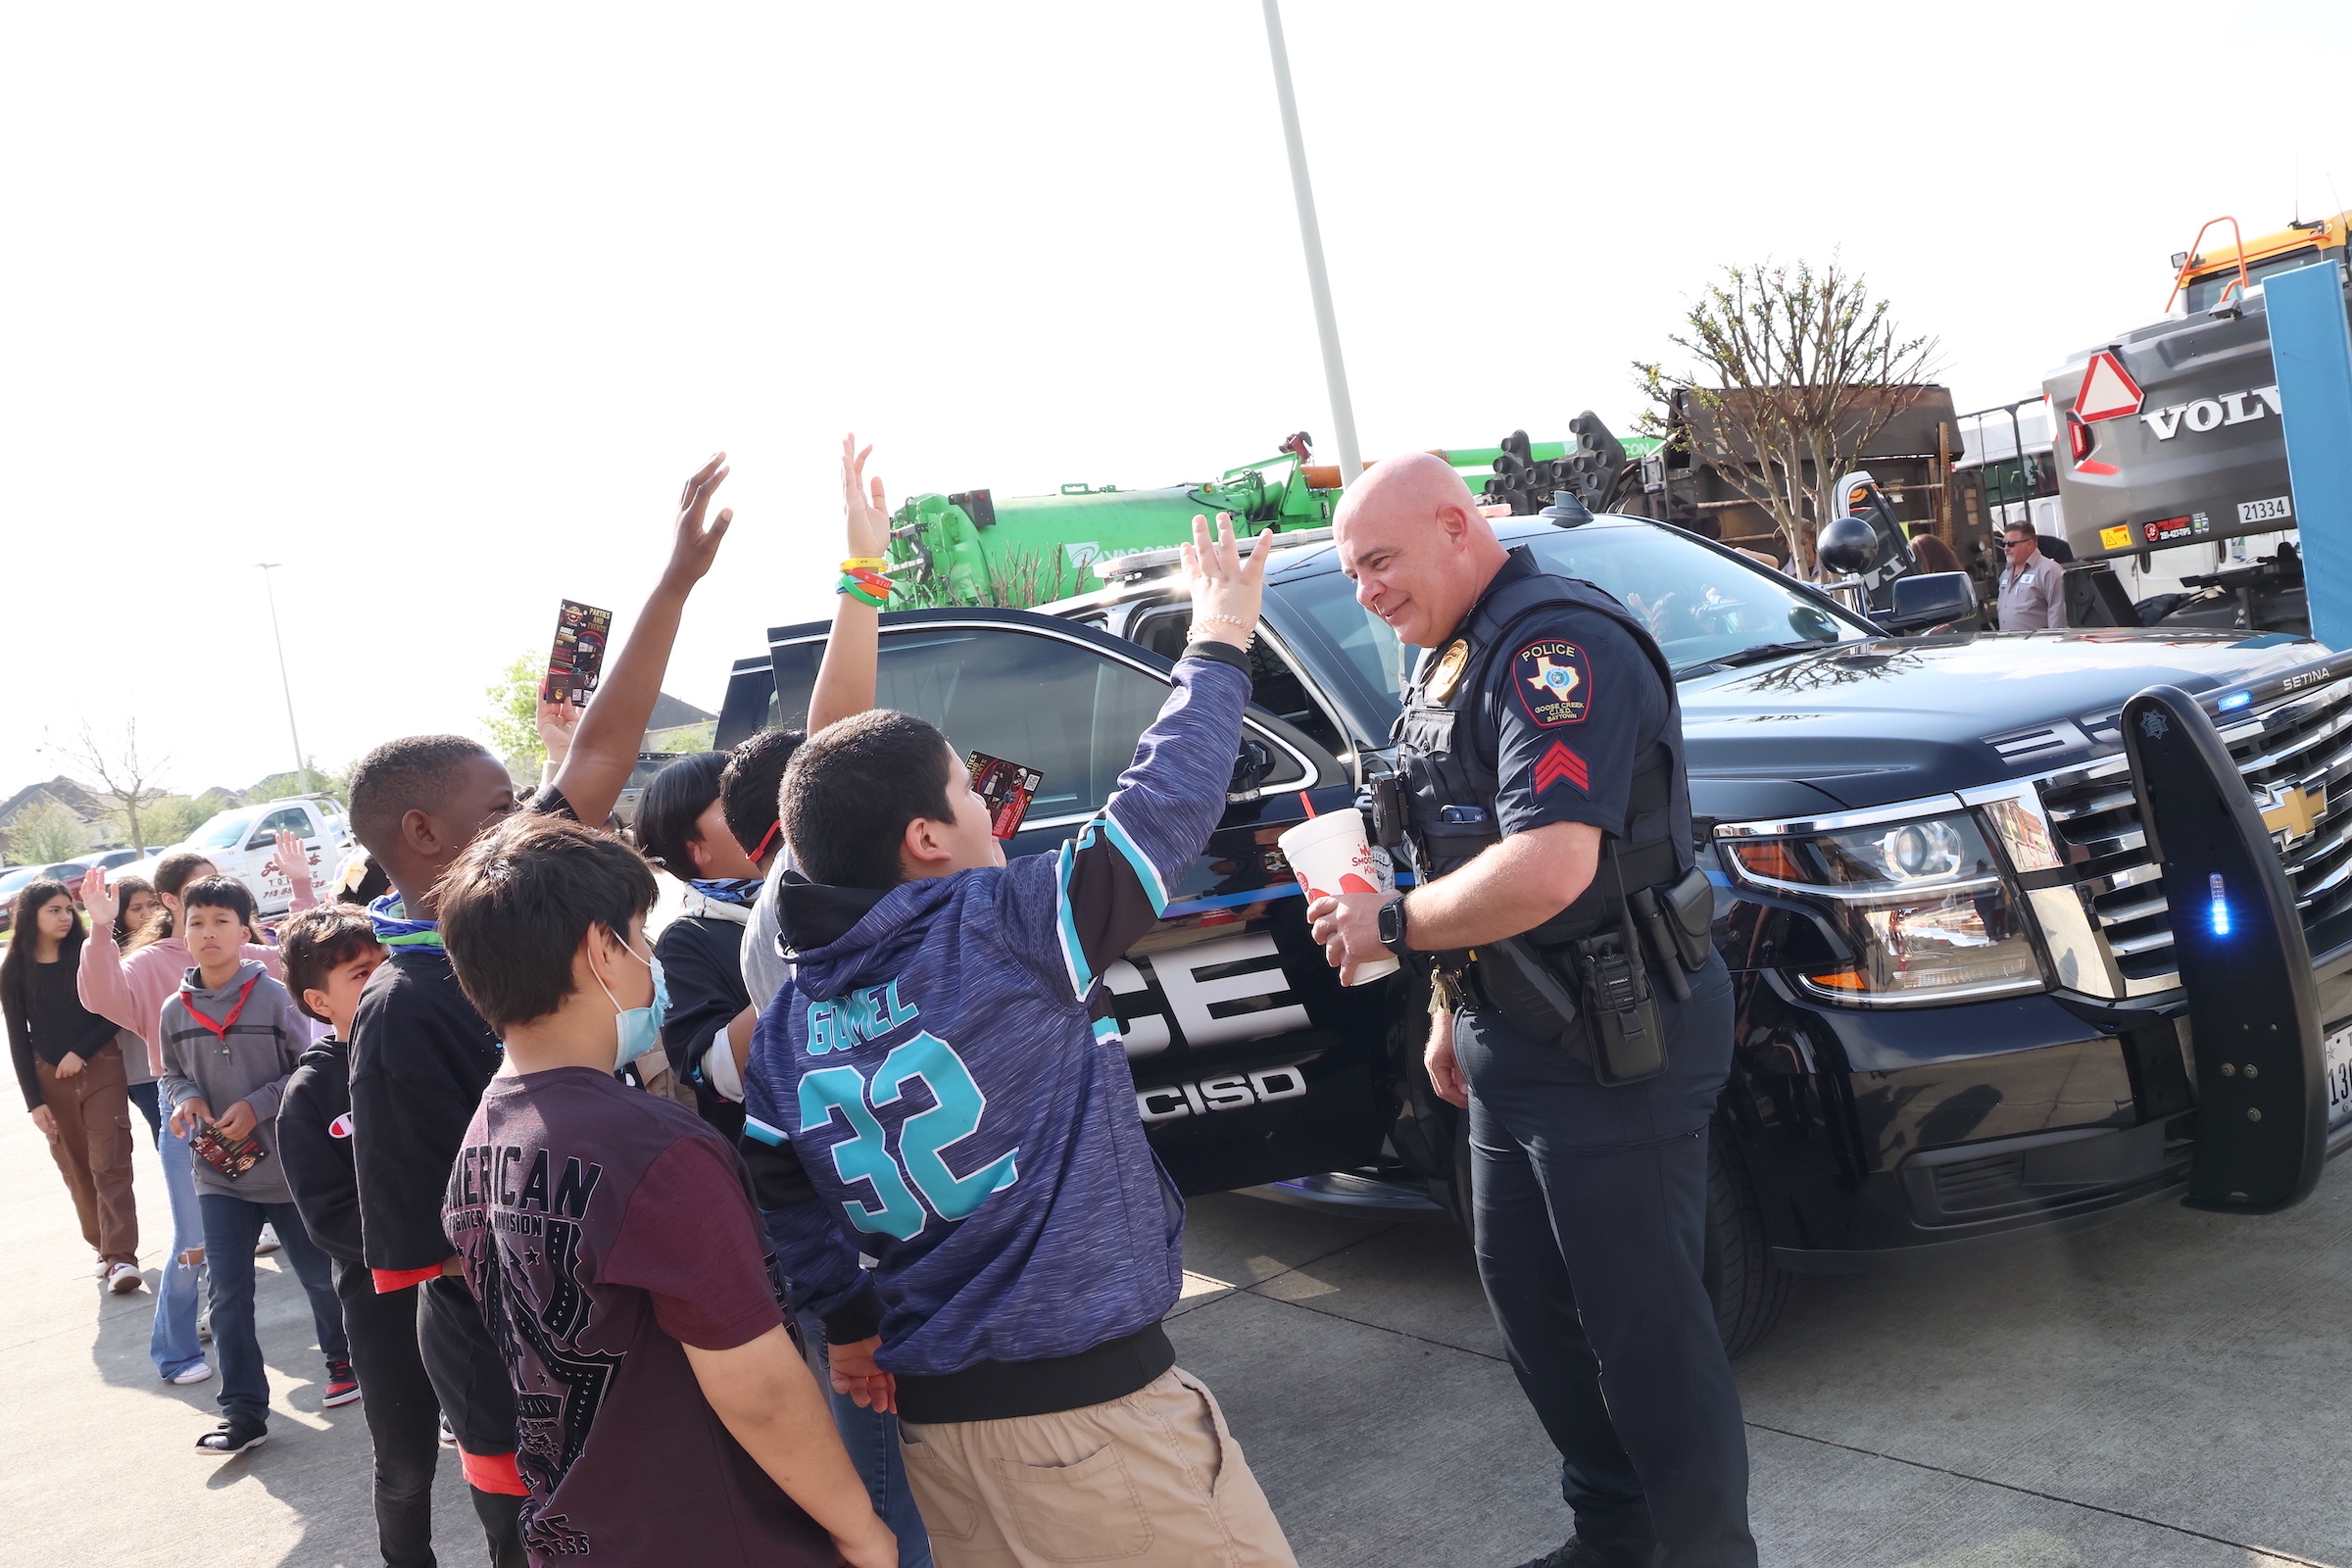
[(2170, 1390)]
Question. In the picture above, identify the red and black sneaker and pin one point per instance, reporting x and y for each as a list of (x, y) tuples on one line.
[(341, 1387)]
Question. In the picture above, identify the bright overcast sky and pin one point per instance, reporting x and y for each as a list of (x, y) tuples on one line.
[(436, 305)]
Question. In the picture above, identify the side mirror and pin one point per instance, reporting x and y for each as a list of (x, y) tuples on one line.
[(1931, 600), (1251, 764), (1849, 544)]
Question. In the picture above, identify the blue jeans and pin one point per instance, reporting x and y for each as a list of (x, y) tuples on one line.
[(231, 1226), (172, 1346), (872, 1439)]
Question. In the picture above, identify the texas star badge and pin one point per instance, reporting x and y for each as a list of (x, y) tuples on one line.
[(1447, 672), (1554, 681)]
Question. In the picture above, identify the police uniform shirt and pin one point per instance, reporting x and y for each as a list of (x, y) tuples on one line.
[(1576, 706)]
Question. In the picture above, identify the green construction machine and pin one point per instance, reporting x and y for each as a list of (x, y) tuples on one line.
[(969, 548)]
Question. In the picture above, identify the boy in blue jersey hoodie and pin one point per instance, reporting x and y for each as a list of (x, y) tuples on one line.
[(932, 1082)]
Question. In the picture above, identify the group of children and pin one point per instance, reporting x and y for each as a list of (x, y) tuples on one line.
[(912, 1160)]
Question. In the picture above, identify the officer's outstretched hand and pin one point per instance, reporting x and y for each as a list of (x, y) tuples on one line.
[(1226, 591)]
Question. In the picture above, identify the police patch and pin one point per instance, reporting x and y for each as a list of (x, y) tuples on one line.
[(1554, 681)]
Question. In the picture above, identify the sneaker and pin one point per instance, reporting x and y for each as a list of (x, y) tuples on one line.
[(267, 1243), (199, 1373), (203, 1310), (341, 1387), (449, 1438), (233, 1436), (102, 1266), (123, 1278)]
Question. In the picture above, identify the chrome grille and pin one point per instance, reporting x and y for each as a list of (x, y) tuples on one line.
[(2303, 742)]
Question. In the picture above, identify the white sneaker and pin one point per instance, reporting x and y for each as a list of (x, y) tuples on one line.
[(199, 1373), (123, 1278), (102, 1266), (267, 1243), (204, 1319)]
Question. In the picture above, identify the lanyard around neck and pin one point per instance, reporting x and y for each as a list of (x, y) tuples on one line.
[(221, 1030)]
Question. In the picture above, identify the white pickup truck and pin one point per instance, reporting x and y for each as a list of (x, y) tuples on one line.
[(243, 841)]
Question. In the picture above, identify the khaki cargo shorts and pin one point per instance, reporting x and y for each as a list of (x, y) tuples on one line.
[(1151, 1480)]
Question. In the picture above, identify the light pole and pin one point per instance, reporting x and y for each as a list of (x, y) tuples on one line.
[(301, 764), (1311, 235)]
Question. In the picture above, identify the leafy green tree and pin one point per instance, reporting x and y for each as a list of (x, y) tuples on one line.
[(45, 831), (290, 782), (689, 738), (170, 819), (513, 717)]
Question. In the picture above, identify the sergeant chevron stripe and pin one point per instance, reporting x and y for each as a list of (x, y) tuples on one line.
[(1557, 764)]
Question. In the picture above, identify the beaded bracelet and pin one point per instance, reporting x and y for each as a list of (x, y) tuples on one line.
[(1227, 621)]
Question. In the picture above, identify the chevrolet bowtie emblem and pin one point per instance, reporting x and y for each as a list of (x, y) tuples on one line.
[(2293, 813)]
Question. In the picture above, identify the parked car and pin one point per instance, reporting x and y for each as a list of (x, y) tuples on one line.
[(1995, 1049), (242, 840), (14, 881), (110, 860)]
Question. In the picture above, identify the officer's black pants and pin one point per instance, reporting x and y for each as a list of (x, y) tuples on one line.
[(1590, 1212), (404, 1418)]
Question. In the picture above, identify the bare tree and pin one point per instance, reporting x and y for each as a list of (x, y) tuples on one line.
[(1797, 373), (123, 775)]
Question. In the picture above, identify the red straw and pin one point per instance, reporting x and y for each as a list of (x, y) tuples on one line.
[(1308, 805)]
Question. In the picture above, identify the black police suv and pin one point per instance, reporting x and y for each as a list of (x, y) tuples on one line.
[(1959, 1018)]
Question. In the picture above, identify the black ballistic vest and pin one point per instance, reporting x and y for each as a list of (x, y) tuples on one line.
[(1447, 754)]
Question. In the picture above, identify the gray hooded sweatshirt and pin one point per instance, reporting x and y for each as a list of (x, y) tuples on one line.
[(250, 1061)]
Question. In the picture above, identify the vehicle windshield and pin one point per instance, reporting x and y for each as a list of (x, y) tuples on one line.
[(2204, 293), (1699, 605), (223, 832)]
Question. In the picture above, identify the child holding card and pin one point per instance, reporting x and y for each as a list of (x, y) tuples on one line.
[(230, 1037)]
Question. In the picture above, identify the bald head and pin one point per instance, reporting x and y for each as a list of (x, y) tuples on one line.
[(1420, 552)]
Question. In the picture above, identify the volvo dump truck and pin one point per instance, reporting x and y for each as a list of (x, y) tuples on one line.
[(2173, 465)]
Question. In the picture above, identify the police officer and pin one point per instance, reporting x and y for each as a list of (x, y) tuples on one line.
[(1540, 754)]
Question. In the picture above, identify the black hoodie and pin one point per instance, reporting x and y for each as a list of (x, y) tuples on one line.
[(314, 1139)]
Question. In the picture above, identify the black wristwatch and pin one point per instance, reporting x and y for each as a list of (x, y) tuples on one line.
[(1392, 926)]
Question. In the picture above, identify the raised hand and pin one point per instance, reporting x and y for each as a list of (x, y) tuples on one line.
[(863, 508), (556, 722), (697, 545), (98, 898), (1226, 590), (292, 860)]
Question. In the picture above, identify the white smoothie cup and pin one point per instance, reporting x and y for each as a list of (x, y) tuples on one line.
[(1329, 856)]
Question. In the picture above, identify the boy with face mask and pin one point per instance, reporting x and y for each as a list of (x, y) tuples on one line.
[(611, 1241)]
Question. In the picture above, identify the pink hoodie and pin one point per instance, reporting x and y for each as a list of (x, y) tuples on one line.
[(131, 992)]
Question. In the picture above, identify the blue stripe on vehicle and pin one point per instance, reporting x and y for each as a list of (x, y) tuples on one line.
[(1144, 872), (774, 1136)]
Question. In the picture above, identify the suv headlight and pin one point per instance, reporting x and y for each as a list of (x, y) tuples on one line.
[(1924, 905)]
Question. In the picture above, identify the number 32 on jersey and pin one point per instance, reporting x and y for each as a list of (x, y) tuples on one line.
[(921, 1164)]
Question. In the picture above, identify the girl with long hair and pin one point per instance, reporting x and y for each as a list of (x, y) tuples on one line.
[(139, 911), (70, 1070), (128, 978)]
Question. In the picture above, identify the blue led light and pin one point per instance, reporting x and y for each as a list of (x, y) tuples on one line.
[(2235, 699), (2221, 905)]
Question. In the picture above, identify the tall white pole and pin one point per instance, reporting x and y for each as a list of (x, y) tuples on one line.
[(301, 764), (1311, 235)]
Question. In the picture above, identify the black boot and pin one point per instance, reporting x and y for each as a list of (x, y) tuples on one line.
[(1575, 1553)]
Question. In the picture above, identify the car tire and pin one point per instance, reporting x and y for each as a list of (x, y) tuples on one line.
[(1749, 1290)]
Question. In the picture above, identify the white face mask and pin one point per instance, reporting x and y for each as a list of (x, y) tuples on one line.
[(638, 1030)]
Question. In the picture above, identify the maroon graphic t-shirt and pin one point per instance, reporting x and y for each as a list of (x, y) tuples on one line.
[(603, 1230)]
